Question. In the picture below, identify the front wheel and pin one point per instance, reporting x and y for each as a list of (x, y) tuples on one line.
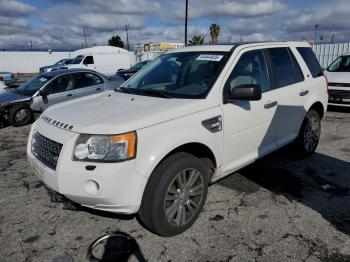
[(309, 134), (175, 194), (20, 115)]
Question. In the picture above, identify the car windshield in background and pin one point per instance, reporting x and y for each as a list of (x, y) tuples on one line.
[(341, 64), (33, 85), (77, 60), (139, 65), (178, 75)]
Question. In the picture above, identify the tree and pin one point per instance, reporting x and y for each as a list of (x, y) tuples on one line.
[(196, 40), (214, 33), (116, 41)]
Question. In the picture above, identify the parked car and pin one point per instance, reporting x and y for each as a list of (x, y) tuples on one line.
[(2, 86), (17, 105), (8, 78), (338, 76), (191, 117), (103, 63), (126, 74), (55, 66)]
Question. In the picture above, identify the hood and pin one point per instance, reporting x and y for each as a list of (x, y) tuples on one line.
[(114, 113), (7, 97), (45, 67), (337, 77)]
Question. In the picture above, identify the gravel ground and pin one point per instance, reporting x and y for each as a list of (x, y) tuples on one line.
[(278, 209)]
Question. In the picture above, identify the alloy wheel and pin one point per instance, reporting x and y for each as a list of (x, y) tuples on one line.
[(311, 134), (184, 197)]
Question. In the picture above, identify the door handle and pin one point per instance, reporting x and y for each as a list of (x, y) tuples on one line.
[(270, 104), (99, 88), (304, 92), (69, 95)]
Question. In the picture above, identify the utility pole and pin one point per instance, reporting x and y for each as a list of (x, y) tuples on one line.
[(240, 36), (332, 41), (186, 20), (127, 36), (316, 26), (31, 45), (85, 38)]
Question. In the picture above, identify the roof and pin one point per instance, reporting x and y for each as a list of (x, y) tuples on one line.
[(99, 50), (228, 47), (65, 71)]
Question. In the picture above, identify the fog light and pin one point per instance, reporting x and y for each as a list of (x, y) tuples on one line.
[(92, 187)]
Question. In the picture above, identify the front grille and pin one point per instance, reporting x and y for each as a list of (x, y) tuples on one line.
[(339, 84), (341, 94), (46, 150)]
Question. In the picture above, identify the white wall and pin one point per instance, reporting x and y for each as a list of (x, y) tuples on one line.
[(327, 53), (28, 62)]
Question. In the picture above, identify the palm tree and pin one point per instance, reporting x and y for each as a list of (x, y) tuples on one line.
[(214, 33), (196, 40)]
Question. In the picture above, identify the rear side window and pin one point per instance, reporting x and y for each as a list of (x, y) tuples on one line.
[(285, 68), (310, 60)]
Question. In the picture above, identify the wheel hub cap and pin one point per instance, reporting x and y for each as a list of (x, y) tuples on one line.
[(21, 115), (183, 197)]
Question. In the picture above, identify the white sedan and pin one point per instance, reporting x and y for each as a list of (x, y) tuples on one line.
[(338, 76)]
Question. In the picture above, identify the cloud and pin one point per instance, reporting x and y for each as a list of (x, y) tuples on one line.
[(13, 8)]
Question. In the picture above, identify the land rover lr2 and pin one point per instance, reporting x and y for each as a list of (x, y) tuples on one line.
[(190, 117)]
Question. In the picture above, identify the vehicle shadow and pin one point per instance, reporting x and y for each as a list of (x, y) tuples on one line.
[(320, 182)]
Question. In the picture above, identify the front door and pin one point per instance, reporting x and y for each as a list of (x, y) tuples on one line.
[(87, 83), (59, 90), (249, 126)]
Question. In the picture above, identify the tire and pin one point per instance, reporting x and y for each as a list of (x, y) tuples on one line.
[(309, 135), (20, 115), (163, 183)]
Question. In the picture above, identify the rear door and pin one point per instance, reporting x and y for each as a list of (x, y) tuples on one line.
[(289, 85), (60, 89), (87, 83)]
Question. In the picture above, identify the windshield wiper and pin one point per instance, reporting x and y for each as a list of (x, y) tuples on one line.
[(153, 92), (123, 90)]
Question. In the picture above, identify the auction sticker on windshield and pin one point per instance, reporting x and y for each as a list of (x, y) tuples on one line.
[(210, 57)]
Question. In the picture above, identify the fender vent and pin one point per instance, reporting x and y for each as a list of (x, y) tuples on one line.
[(213, 124)]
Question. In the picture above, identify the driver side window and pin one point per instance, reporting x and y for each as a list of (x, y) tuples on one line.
[(250, 69), (60, 84)]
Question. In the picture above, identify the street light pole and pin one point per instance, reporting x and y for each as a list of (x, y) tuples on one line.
[(31, 45), (186, 20), (316, 26), (85, 38), (127, 36)]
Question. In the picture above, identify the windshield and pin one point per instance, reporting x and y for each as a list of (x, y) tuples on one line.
[(139, 65), (33, 85), (341, 64), (180, 75), (58, 63), (77, 60)]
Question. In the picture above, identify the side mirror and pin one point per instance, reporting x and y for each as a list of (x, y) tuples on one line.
[(249, 92), (43, 96)]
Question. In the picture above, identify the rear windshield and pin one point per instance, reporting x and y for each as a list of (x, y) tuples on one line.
[(341, 64), (310, 60)]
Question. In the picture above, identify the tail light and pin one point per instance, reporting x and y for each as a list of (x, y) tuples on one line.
[(327, 83), (1, 78)]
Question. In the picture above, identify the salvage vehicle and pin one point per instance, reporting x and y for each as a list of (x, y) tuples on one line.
[(7, 78), (127, 73), (191, 117), (55, 66), (18, 105), (338, 76)]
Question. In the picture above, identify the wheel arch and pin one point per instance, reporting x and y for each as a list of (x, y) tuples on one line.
[(319, 108)]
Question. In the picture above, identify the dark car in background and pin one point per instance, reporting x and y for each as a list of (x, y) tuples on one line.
[(17, 105), (55, 66), (127, 73)]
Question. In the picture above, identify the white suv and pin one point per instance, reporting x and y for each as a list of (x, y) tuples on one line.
[(190, 117)]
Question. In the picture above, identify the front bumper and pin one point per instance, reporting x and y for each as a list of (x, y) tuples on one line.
[(120, 187), (339, 96)]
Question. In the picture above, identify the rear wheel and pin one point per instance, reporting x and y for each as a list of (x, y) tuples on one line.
[(175, 194), (20, 115), (309, 134)]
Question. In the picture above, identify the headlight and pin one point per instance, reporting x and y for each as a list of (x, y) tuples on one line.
[(100, 148)]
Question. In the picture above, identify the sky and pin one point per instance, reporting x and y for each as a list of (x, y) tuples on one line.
[(59, 24)]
